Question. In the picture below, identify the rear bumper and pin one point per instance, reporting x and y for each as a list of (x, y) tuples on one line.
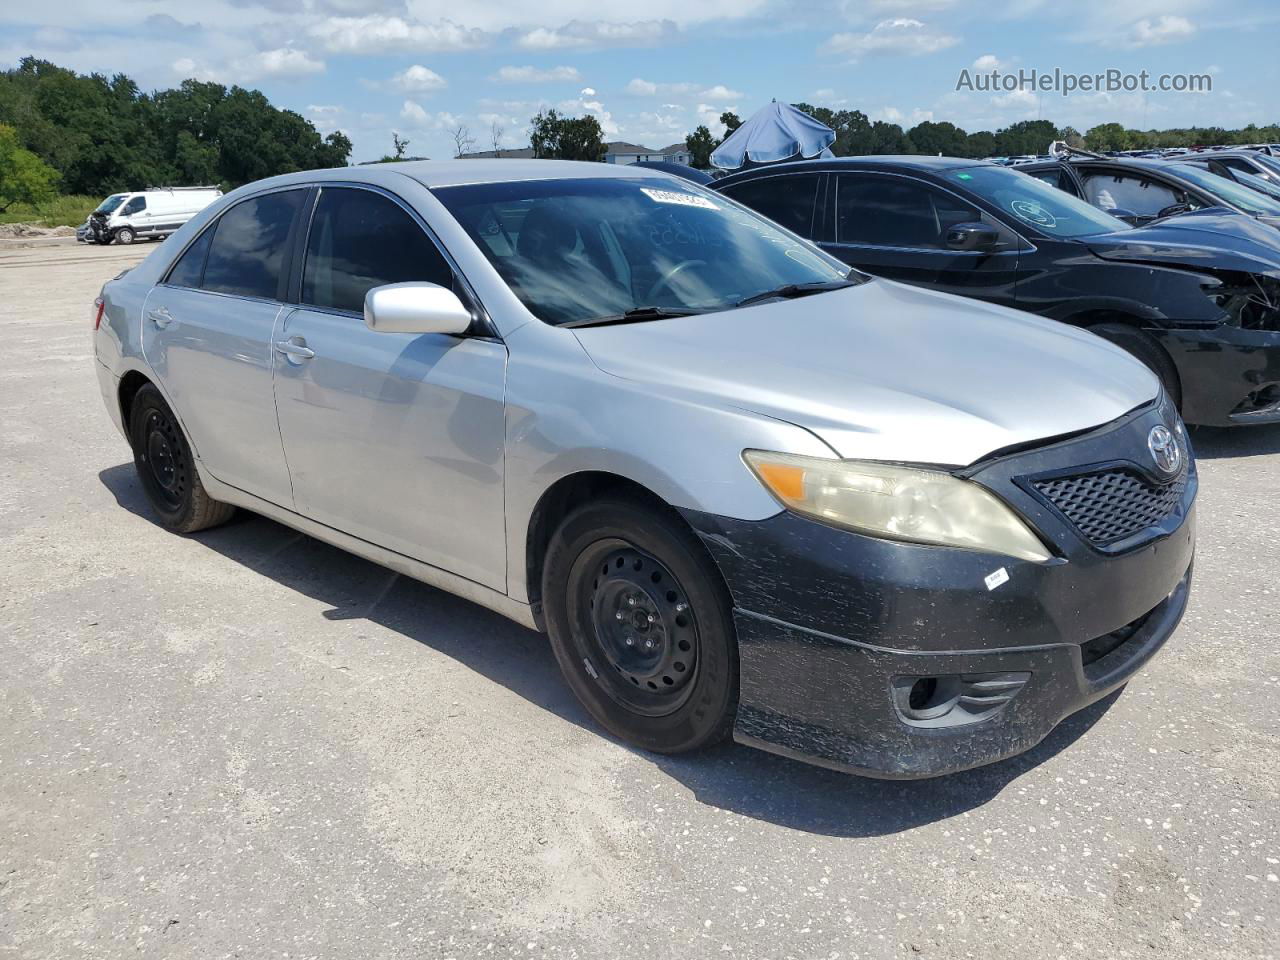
[(898, 660), (1230, 377)]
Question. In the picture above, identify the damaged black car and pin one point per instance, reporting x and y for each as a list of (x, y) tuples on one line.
[(1196, 297)]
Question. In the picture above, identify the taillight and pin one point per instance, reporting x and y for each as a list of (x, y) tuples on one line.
[(99, 305)]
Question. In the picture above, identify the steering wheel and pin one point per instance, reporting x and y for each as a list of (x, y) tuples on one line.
[(664, 281)]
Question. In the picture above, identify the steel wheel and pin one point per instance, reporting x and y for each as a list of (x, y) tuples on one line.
[(638, 617), (166, 470)]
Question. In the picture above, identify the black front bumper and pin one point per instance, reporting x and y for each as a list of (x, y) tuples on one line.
[(1230, 376), (835, 628)]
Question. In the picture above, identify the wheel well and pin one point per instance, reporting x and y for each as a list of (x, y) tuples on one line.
[(555, 504), (1091, 318), (130, 384)]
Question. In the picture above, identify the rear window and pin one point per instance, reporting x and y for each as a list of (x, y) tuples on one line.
[(248, 245)]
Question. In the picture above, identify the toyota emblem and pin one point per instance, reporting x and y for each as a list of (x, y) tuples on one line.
[(1164, 449)]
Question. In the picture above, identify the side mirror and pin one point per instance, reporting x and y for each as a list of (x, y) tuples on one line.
[(1173, 209), (971, 236), (1128, 216), (416, 307)]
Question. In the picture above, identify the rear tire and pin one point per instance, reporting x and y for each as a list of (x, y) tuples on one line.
[(1145, 348), (125, 235), (619, 570), (167, 469)]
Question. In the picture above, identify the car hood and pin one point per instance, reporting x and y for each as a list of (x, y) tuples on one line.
[(1212, 239), (884, 371)]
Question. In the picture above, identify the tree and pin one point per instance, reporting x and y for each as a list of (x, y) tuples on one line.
[(981, 144), (24, 177), (462, 141), (557, 137), (398, 146), (103, 135), (1071, 136), (1025, 137), (1108, 136), (939, 139), (700, 145), (495, 137), (731, 122)]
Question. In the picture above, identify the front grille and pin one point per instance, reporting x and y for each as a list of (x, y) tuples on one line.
[(1111, 505)]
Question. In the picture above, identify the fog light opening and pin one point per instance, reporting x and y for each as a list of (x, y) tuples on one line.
[(922, 691)]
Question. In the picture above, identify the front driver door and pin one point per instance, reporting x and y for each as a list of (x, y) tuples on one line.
[(895, 227), (394, 438)]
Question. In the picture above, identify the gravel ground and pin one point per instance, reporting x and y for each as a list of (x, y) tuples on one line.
[(249, 744)]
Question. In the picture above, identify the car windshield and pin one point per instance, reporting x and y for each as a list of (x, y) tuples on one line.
[(109, 204), (1052, 211), (1244, 195), (577, 249)]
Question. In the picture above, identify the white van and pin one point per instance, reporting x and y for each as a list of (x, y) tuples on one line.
[(125, 217)]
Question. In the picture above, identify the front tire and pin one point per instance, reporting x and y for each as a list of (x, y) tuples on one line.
[(125, 235), (167, 469), (641, 624)]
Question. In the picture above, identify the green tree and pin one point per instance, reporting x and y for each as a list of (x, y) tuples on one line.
[(700, 145), (557, 137), (24, 177), (981, 144), (1026, 136), (940, 138), (731, 122), (1107, 136)]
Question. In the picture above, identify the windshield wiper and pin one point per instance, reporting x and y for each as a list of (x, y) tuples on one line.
[(791, 290), (635, 315)]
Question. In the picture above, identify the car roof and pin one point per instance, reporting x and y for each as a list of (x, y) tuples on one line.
[(869, 162), (450, 173)]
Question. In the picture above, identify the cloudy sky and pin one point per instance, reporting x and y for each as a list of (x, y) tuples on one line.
[(651, 70)]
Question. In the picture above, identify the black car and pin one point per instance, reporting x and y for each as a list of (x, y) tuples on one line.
[(1229, 163), (1141, 191), (1196, 297)]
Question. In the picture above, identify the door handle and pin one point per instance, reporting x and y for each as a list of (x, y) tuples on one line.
[(160, 317), (296, 349)]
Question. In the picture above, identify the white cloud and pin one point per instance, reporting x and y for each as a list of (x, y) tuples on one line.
[(645, 88), (282, 62), (425, 119), (1150, 32), (418, 79), (901, 36), (588, 91), (412, 110), (379, 34), (537, 75), (988, 62), (1021, 99), (598, 33), (904, 120)]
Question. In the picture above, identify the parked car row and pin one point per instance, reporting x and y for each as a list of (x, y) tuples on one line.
[(1195, 296), (744, 487)]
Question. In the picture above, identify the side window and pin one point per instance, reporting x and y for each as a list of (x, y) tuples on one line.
[(248, 245), (887, 211), (136, 205), (1057, 178), (189, 270), (360, 239), (786, 200), (1145, 198)]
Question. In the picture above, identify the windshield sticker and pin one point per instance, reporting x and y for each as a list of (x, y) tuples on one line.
[(964, 176), (997, 579), (683, 199), (1032, 212)]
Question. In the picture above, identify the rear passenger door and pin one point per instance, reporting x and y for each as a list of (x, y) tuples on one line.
[(895, 227), (394, 438), (207, 334)]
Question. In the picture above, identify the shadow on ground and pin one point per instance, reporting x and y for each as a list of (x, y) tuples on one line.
[(732, 777), (1215, 443)]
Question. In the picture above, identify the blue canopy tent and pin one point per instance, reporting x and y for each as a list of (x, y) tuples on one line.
[(777, 132)]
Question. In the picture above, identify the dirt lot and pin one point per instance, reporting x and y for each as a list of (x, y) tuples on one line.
[(246, 743)]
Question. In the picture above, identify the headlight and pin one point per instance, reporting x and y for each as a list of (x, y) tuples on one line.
[(896, 503)]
